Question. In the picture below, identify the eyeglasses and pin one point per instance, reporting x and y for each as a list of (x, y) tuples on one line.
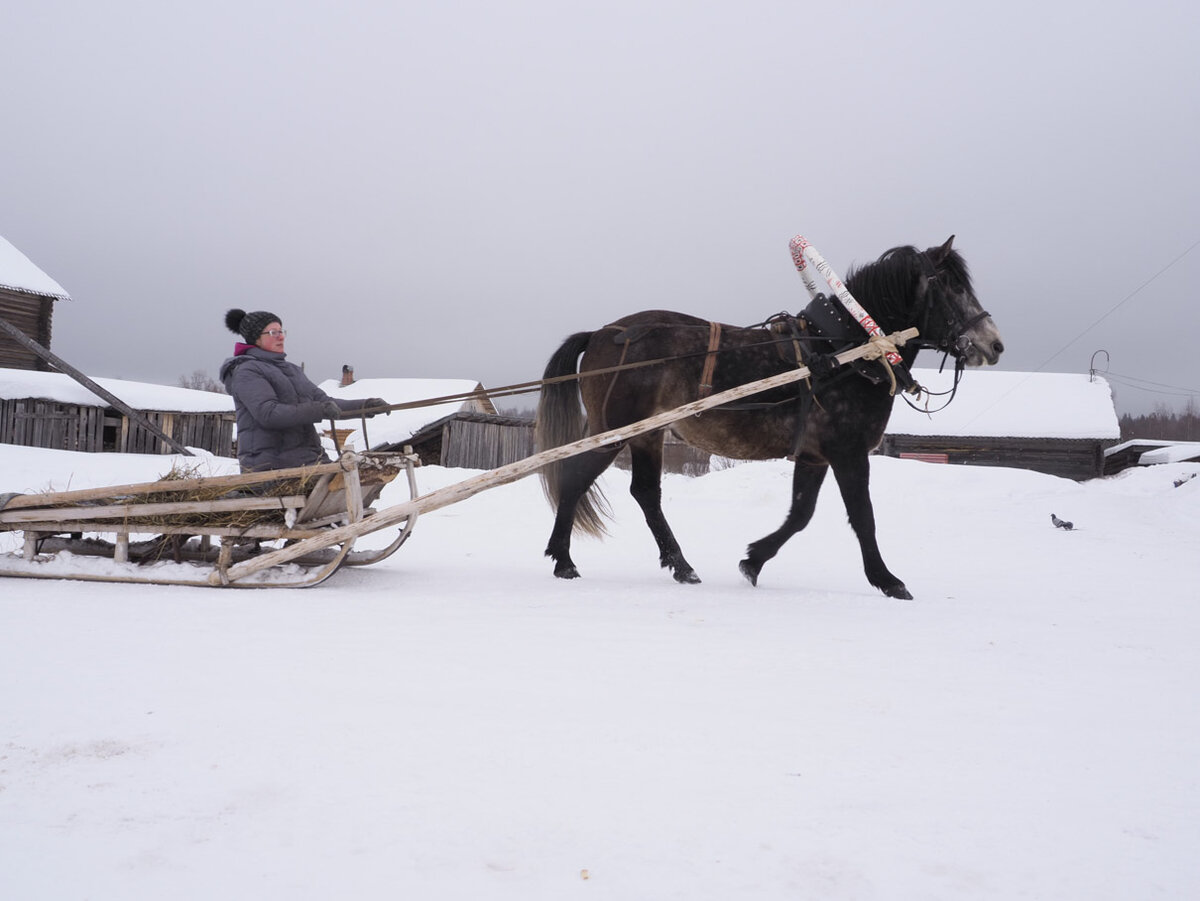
[(275, 333)]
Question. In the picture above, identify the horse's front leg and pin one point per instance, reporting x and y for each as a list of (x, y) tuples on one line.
[(806, 485), (853, 476), (646, 488)]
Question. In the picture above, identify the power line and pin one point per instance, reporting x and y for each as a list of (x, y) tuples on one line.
[(1179, 392), (1128, 297), (1130, 381)]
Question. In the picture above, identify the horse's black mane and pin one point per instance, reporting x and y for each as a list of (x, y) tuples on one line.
[(878, 286)]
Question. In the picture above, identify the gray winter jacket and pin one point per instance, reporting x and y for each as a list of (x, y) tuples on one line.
[(276, 407)]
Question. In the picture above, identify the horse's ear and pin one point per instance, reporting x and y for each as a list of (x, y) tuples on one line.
[(942, 252)]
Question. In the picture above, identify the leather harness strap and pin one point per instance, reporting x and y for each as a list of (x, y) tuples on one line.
[(710, 359), (612, 384)]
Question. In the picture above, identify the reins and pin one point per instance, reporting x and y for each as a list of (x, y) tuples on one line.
[(536, 385), (959, 366)]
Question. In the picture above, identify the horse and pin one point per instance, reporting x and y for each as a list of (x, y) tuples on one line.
[(656, 360)]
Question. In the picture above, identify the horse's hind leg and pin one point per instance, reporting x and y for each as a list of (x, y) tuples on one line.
[(854, 480), (646, 488), (807, 478), (578, 475)]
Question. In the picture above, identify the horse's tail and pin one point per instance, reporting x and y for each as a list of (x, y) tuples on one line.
[(560, 420)]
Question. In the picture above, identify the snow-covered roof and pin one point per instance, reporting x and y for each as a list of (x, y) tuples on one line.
[(18, 273), (55, 386), (994, 404), (1176, 452), (399, 425)]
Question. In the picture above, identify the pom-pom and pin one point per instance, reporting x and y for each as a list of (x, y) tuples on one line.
[(233, 320)]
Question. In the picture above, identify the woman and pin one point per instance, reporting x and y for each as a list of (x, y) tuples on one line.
[(276, 404)]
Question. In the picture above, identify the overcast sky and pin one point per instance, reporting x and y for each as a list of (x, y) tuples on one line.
[(449, 189)]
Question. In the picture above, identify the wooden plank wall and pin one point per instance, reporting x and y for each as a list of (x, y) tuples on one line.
[(484, 445), (1077, 459), (31, 314), (211, 431), (32, 422)]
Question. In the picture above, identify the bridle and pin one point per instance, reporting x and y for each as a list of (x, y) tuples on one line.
[(954, 341)]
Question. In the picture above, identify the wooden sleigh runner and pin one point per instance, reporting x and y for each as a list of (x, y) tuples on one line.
[(194, 531)]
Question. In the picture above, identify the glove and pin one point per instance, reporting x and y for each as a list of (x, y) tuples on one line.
[(371, 403), (330, 410)]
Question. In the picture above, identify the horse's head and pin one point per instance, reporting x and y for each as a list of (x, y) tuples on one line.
[(951, 319)]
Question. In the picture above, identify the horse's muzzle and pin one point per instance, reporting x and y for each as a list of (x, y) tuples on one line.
[(980, 353)]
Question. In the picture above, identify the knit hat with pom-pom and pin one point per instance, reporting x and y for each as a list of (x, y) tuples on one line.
[(249, 325)]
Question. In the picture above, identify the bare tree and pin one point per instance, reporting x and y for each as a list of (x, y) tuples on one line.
[(200, 380), (517, 412)]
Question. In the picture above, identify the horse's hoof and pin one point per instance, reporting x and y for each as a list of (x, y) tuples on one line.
[(750, 571), (898, 591), (566, 572), (687, 577)]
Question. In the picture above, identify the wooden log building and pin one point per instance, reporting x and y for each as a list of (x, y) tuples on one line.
[(474, 440), (27, 299), (1051, 422)]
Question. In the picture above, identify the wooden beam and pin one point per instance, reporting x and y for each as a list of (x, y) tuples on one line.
[(165, 486), (66, 368), (138, 514)]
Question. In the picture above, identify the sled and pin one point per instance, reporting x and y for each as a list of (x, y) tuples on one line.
[(182, 530)]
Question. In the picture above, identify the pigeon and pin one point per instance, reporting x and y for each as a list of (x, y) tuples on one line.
[(1061, 523)]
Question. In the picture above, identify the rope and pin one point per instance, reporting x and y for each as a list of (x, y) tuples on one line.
[(881, 347)]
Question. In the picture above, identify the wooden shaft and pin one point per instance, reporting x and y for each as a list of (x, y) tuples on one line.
[(503, 475)]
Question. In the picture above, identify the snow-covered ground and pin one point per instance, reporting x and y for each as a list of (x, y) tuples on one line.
[(455, 723)]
